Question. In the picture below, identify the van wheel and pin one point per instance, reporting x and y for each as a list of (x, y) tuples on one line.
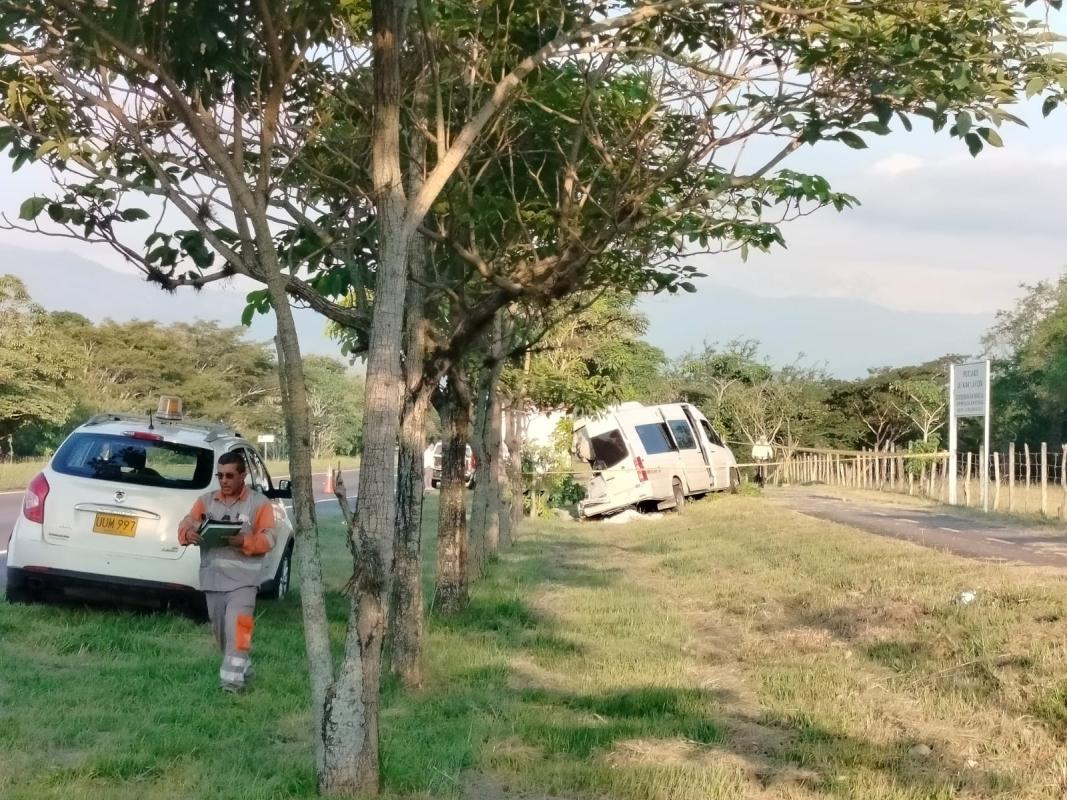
[(279, 587), (679, 496), (735, 480)]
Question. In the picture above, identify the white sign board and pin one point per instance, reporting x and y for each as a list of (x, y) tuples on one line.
[(265, 438), (969, 389)]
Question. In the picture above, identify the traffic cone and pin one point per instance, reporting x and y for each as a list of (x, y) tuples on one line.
[(329, 487)]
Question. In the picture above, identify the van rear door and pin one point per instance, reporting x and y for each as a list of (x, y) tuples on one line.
[(615, 479)]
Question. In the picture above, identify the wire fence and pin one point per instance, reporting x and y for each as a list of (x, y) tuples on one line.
[(1021, 478)]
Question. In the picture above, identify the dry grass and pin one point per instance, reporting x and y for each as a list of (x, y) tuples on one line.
[(737, 650), (829, 663), (15, 476)]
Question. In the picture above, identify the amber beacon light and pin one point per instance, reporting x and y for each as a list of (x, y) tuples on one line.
[(170, 407)]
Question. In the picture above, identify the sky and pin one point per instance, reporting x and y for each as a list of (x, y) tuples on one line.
[(941, 240)]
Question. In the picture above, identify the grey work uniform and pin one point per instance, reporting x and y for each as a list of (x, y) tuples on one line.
[(230, 578)]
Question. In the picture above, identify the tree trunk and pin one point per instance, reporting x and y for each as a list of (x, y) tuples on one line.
[(514, 468), (494, 536), (406, 602), (306, 555), (452, 576), (405, 629), (350, 725), (405, 619), (485, 508)]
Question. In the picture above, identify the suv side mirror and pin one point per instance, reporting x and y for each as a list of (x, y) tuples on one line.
[(283, 492)]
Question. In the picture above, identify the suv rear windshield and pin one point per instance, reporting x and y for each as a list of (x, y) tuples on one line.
[(123, 459), (608, 450)]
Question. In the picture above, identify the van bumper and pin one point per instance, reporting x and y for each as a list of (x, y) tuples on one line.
[(600, 508)]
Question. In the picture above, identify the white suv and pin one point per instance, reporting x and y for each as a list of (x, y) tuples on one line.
[(104, 513)]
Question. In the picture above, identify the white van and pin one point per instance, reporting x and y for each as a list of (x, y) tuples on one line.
[(651, 456)]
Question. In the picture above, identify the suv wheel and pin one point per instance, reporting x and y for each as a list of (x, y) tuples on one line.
[(16, 590), (279, 587)]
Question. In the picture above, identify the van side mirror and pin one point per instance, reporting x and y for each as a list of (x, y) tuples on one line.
[(284, 491)]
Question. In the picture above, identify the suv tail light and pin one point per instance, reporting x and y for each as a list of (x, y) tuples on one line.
[(639, 465), (33, 502)]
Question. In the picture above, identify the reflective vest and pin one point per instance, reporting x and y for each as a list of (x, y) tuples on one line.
[(223, 569)]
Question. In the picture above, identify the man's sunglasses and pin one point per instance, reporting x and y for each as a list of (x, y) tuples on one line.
[(226, 475)]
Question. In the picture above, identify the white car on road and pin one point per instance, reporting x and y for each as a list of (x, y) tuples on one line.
[(104, 513)]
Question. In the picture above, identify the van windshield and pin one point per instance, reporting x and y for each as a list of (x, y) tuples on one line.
[(146, 462), (608, 449)]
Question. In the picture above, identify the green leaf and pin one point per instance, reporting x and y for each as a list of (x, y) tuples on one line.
[(1049, 106), (974, 143), (963, 123), (32, 207), (46, 148), (991, 136), (851, 139), (132, 214), (688, 287), (1035, 85), (247, 314)]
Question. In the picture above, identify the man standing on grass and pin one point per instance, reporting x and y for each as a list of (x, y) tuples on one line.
[(229, 576), (761, 454)]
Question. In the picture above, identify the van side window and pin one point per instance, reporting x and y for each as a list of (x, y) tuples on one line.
[(655, 438), (608, 450), (709, 431), (683, 434)]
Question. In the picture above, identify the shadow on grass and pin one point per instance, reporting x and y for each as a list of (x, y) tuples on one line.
[(492, 702)]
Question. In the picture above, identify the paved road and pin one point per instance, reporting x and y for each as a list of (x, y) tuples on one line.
[(935, 526), (11, 507)]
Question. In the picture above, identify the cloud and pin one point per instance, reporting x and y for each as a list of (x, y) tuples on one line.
[(936, 232), (896, 164)]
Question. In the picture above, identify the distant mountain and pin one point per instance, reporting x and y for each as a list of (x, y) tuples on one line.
[(846, 336), (65, 281)]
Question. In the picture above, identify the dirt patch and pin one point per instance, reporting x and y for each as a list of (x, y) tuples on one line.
[(485, 787)]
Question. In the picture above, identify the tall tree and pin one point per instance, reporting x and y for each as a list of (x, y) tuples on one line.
[(211, 105), (1029, 346), (35, 365)]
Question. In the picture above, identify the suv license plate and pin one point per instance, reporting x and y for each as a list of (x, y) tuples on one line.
[(115, 524)]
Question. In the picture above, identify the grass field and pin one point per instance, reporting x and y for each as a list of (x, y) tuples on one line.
[(15, 476), (735, 651)]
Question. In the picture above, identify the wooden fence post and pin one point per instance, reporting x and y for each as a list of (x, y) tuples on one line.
[(1044, 479), (1011, 477), (996, 478), (1063, 483), (967, 482), (1026, 488)]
